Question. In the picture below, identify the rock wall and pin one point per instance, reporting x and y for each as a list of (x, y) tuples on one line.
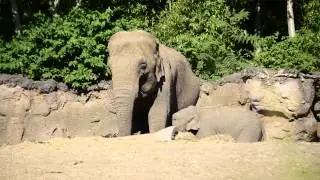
[(34, 116), (288, 101)]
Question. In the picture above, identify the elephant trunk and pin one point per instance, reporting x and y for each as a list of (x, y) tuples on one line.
[(124, 101)]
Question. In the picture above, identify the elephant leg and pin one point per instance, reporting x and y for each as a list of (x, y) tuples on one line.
[(159, 112), (158, 116)]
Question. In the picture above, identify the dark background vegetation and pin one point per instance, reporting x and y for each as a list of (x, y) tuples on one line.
[(66, 40)]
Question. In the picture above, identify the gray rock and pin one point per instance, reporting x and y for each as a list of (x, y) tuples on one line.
[(105, 85), (306, 129), (6, 78), (292, 73), (102, 85), (308, 97), (92, 87), (62, 87), (28, 84), (11, 80), (316, 107), (47, 86), (233, 78)]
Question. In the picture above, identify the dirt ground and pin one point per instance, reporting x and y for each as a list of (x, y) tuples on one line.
[(141, 157)]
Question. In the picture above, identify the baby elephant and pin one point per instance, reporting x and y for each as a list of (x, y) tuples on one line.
[(242, 124)]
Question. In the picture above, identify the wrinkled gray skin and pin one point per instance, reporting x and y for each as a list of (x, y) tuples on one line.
[(149, 79), (242, 124)]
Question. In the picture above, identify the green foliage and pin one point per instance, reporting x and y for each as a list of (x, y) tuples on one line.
[(312, 15), (206, 32), (70, 48), (301, 53), (68, 42)]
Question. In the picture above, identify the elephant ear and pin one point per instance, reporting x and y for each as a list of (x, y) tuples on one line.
[(160, 71), (159, 65)]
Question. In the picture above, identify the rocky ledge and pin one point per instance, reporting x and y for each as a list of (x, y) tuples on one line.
[(47, 86), (288, 101)]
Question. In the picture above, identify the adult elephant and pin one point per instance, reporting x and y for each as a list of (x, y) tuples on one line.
[(150, 82)]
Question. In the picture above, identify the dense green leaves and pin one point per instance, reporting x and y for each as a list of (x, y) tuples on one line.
[(204, 31), (70, 48), (301, 53), (68, 42), (312, 14)]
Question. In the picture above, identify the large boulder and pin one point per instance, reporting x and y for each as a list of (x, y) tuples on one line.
[(288, 98), (229, 94)]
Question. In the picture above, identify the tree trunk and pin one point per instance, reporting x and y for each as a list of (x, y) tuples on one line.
[(290, 18), (15, 16), (257, 25), (78, 3), (54, 4), (234, 3), (170, 4)]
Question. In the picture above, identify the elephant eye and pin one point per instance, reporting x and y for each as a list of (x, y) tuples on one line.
[(142, 69), (143, 66)]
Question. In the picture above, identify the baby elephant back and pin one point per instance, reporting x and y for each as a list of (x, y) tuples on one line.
[(242, 124)]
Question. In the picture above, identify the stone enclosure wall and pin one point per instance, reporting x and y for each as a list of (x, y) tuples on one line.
[(47, 111), (288, 101)]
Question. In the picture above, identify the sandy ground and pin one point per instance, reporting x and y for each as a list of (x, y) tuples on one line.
[(141, 157)]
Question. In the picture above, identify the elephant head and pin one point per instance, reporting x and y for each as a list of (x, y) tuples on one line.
[(186, 119), (136, 70)]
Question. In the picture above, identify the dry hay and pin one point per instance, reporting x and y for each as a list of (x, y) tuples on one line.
[(219, 138)]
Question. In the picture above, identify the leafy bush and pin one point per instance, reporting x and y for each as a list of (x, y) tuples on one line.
[(312, 15), (206, 32), (301, 53), (70, 48)]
